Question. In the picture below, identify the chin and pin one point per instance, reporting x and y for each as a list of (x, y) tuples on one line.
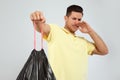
[(75, 30)]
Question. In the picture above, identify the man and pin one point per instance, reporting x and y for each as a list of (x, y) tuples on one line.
[(68, 53)]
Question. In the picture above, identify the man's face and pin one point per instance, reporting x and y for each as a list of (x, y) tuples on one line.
[(72, 21)]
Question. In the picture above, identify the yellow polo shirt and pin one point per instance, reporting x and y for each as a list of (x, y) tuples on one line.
[(68, 54)]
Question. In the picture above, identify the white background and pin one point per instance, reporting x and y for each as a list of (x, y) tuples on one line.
[(16, 33)]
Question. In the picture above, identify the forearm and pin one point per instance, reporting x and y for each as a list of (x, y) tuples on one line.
[(100, 46), (99, 43)]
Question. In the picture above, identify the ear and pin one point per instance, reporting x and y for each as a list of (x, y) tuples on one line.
[(65, 18)]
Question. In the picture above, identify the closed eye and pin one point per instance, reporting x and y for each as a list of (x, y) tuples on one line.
[(76, 19), (79, 19)]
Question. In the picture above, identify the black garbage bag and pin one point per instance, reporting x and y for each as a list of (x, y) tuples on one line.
[(37, 67)]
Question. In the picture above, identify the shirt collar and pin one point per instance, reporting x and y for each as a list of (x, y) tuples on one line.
[(68, 32)]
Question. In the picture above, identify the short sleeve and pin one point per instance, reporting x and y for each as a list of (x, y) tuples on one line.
[(90, 47), (53, 30)]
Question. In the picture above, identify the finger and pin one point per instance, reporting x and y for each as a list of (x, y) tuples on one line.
[(81, 29), (31, 17), (81, 25), (38, 15), (43, 20), (82, 22), (42, 17)]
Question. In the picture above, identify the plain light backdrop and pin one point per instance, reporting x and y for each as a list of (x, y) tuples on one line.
[(16, 33)]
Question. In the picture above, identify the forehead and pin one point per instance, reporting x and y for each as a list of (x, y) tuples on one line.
[(76, 14)]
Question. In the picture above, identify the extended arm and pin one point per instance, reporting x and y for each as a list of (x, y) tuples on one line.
[(38, 20)]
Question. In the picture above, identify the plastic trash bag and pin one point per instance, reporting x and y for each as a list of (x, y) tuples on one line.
[(37, 67)]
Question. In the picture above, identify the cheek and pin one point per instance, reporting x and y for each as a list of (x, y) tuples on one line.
[(68, 23), (71, 22)]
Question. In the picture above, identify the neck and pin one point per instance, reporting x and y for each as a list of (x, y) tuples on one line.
[(68, 29)]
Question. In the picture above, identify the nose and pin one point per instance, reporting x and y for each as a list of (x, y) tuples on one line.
[(77, 21)]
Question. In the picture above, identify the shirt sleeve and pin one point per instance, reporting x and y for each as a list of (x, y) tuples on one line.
[(90, 47), (53, 29)]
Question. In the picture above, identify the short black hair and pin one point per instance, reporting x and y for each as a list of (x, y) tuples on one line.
[(75, 8)]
